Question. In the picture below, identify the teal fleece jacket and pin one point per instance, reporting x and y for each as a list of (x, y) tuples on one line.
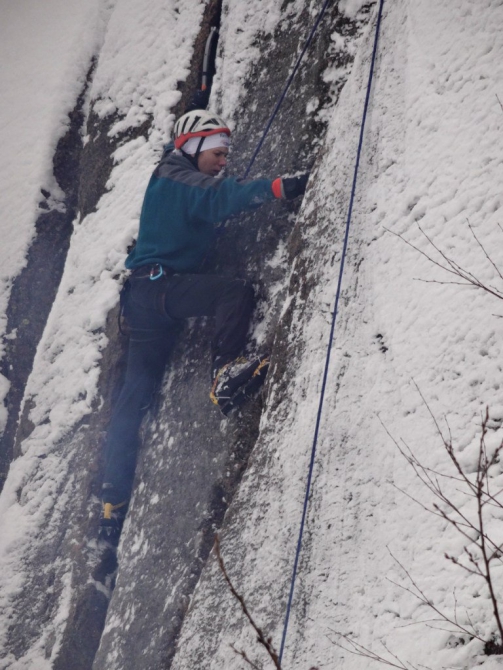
[(181, 208)]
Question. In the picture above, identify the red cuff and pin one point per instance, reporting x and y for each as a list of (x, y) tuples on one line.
[(277, 188)]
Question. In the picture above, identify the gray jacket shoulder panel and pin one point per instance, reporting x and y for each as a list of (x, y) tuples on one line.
[(178, 168)]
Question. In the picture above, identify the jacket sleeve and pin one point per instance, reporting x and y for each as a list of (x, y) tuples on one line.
[(215, 199), (208, 199)]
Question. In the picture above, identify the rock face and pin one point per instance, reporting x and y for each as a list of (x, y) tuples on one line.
[(86, 608), (192, 461)]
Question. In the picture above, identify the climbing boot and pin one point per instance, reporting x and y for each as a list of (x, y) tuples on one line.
[(112, 519), (247, 390), (228, 379)]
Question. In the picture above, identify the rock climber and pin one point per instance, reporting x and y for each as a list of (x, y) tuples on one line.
[(185, 198)]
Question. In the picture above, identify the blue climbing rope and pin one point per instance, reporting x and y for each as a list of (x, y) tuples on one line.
[(334, 317), (287, 86)]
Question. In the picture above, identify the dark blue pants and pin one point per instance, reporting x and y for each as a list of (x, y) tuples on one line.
[(155, 311)]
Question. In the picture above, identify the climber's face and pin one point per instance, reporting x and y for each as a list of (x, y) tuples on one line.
[(212, 161)]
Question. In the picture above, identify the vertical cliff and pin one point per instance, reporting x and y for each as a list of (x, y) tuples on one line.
[(431, 156), (192, 461)]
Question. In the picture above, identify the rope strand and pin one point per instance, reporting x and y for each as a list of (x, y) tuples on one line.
[(287, 86), (332, 330)]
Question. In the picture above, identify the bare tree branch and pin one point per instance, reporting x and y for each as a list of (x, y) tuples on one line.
[(261, 638), (451, 266), (359, 650), (485, 549), (445, 283), (420, 595), (484, 250), (243, 655)]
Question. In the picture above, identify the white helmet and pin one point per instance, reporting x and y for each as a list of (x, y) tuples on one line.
[(198, 123)]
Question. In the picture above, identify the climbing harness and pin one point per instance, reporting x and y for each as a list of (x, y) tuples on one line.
[(287, 86), (152, 297), (156, 275), (334, 316)]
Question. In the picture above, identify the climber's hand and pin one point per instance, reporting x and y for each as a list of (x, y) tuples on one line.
[(290, 187)]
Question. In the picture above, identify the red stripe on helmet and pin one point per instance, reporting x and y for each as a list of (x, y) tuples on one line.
[(180, 141)]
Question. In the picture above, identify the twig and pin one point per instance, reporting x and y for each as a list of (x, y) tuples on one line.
[(243, 655), (484, 250), (424, 599), (364, 652), (447, 630), (265, 642), (444, 283), (451, 266), (479, 490)]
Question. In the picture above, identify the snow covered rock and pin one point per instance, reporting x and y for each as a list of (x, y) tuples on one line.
[(431, 156)]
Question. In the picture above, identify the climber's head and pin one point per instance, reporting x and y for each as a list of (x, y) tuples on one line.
[(205, 137)]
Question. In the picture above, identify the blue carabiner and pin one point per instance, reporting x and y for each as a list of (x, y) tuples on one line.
[(159, 274)]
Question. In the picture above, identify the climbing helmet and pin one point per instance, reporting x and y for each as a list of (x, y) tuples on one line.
[(198, 123)]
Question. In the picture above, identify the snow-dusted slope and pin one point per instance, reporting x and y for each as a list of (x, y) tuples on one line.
[(45, 50), (433, 156), (64, 381)]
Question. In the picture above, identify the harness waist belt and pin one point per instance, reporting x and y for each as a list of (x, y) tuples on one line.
[(153, 271)]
